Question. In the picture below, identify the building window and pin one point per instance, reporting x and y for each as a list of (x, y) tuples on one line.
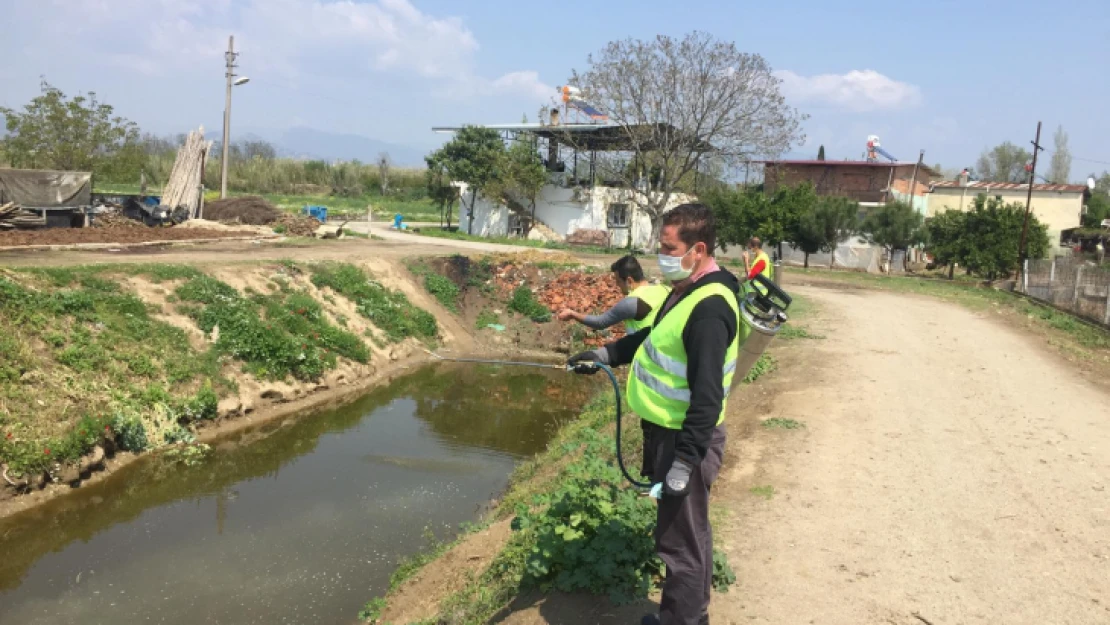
[(618, 216)]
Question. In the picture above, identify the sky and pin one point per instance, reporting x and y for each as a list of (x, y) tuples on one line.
[(950, 78)]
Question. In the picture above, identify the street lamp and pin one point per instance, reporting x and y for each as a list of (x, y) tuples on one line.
[(232, 80)]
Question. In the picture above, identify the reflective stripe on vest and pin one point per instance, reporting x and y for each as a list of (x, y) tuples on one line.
[(653, 295), (657, 389)]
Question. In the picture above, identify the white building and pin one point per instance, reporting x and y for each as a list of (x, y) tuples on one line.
[(578, 207)]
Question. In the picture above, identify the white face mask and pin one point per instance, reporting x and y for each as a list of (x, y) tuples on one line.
[(672, 269)]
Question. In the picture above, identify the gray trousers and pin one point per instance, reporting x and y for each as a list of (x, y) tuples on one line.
[(683, 537)]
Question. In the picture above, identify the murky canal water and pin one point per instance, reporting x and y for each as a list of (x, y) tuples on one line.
[(295, 522)]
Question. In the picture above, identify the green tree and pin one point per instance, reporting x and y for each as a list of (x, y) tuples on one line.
[(993, 234), (947, 239), (893, 226), (440, 190), (1098, 208), (1003, 163), (522, 177), (1059, 170), (72, 134), (821, 153), (744, 213), (824, 228), (474, 156)]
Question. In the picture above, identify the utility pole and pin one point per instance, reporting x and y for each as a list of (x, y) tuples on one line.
[(229, 74), (913, 182), (1029, 197)]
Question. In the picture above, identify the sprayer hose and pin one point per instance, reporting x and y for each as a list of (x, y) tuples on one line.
[(617, 399)]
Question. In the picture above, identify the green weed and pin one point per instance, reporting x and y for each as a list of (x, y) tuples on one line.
[(443, 289), (525, 303), (766, 492), (485, 319), (763, 365), (792, 331), (783, 423), (387, 309)]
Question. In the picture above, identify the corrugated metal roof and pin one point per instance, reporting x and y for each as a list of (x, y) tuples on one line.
[(1010, 186)]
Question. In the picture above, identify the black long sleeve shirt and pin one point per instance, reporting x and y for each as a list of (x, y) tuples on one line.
[(709, 331)]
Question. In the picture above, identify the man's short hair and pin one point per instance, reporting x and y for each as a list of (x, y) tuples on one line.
[(628, 267), (756, 243), (695, 224)]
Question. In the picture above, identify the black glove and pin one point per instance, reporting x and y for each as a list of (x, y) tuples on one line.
[(677, 482), (583, 362)]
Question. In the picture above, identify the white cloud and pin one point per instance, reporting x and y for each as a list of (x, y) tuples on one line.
[(284, 38), (857, 90), (526, 83)]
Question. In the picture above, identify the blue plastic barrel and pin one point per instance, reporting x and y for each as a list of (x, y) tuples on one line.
[(318, 212)]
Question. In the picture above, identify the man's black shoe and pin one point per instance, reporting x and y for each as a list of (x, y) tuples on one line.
[(650, 619)]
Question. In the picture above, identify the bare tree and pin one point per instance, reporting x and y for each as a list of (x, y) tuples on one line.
[(676, 101), (383, 172), (1060, 169)]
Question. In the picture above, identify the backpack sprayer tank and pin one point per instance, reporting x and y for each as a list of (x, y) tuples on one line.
[(762, 314)]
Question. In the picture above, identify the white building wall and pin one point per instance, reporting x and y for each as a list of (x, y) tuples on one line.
[(566, 210)]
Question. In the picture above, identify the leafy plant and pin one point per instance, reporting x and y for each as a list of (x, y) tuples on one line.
[(525, 303), (130, 433), (783, 423), (763, 365), (372, 611), (723, 575), (793, 331), (766, 492), (387, 309), (443, 289)]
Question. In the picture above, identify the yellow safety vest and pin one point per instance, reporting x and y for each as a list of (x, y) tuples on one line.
[(653, 295), (767, 270), (657, 388)]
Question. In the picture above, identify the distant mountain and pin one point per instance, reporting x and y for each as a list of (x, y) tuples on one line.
[(304, 142), (309, 143)]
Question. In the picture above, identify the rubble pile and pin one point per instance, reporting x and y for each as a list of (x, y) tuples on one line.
[(296, 225), (586, 293), (115, 220)]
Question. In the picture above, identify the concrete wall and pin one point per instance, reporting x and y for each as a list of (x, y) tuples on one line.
[(1058, 210), (861, 182), (566, 210)]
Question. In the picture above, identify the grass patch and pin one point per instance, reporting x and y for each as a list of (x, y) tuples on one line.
[(485, 319), (525, 303), (387, 309), (347, 232), (443, 289), (791, 332), (781, 423), (276, 335), (766, 492), (763, 365), (80, 353)]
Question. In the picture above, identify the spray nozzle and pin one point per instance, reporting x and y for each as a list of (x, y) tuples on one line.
[(585, 368)]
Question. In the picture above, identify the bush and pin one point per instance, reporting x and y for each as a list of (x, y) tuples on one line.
[(525, 303), (130, 433)]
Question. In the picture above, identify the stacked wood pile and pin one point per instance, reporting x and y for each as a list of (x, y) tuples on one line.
[(13, 216), (183, 186)]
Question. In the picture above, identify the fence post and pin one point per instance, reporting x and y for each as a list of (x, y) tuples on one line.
[(1051, 279), (1106, 316), (1025, 277), (1075, 293)]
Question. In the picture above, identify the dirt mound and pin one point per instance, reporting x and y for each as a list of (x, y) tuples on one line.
[(115, 234), (115, 220), (250, 209), (296, 225)]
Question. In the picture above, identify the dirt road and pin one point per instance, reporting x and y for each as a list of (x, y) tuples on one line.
[(951, 470)]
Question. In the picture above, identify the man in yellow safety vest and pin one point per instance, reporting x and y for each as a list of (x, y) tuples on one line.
[(753, 257), (638, 308), (682, 368)]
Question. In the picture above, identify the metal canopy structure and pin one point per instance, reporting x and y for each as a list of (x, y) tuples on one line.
[(597, 137)]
